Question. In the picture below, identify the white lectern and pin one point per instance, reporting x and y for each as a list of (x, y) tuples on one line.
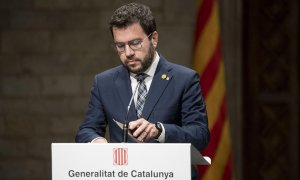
[(118, 161)]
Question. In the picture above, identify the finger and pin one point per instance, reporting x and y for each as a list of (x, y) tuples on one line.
[(150, 131), (135, 124), (141, 128), (153, 133), (142, 136)]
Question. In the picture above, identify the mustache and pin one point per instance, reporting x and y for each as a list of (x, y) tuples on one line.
[(133, 59)]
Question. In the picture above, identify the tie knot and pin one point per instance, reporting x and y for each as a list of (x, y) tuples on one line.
[(140, 77)]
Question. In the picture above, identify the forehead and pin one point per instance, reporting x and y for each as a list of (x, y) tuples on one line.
[(128, 33)]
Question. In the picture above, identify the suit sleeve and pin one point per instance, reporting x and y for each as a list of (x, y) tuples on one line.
[(94, 123), (194, 122)]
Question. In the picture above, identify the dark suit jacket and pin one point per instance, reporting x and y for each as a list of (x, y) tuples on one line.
[(175, 101)]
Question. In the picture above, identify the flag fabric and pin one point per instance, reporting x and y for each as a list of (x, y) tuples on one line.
[(209, 64)]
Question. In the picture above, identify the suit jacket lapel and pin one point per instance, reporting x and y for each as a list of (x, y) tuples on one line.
[(159, 83), (123, 87)]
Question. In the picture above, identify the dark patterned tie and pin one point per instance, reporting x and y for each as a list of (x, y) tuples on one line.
[(142, 93)]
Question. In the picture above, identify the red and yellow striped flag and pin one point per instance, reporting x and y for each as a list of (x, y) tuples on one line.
[(209, 64)]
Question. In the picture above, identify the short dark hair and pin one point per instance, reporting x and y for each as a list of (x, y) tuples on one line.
[(131, 13)]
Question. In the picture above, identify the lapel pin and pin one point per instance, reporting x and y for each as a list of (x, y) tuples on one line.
[(164, 76)]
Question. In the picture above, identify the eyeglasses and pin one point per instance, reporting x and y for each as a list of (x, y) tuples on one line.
[(135, 44)]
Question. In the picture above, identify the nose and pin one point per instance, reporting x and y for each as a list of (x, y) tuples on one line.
[(128, 51)]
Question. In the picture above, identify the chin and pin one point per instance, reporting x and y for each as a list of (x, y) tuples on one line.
[(135, 69)]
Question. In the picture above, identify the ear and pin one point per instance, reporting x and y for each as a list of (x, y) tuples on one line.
[(154, 39)]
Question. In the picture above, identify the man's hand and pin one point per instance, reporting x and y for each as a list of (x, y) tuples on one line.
[(99, 140), (143, 130)]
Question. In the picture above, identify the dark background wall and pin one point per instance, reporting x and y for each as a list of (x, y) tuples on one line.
[(51, 49), (271, 89), (49, 52)]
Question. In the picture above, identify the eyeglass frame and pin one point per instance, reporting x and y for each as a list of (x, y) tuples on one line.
[(130, 44)]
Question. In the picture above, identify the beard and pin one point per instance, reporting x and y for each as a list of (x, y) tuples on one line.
[(145, 63)]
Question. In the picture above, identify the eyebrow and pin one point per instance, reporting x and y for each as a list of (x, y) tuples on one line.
[(116, 42)]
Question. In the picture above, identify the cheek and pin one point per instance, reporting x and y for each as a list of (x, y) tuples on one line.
[(122, 58), (142, 53)]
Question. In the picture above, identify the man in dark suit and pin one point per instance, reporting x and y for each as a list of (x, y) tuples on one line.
[(172, 109)]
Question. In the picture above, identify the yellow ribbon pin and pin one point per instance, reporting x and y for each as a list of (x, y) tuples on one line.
[(164, 76)]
